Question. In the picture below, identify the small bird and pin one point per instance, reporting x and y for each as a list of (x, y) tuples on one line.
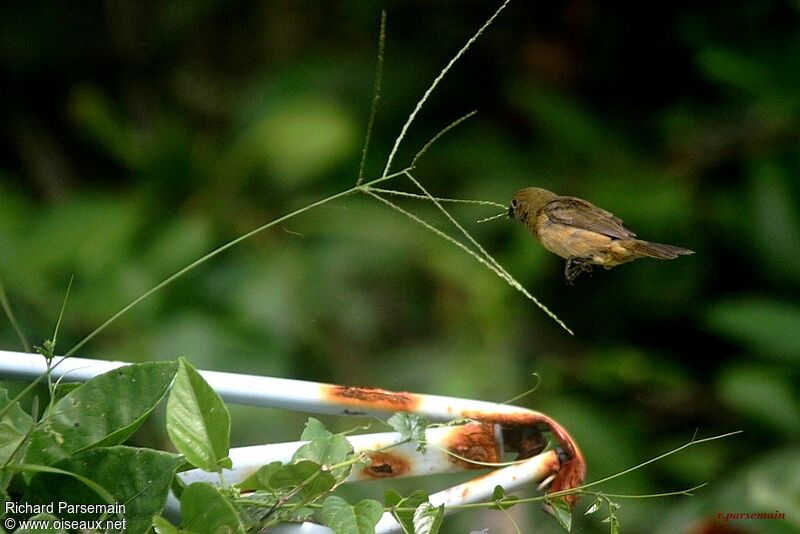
[(582, 233)]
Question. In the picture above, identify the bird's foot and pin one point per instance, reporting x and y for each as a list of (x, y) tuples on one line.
[(573, 269)]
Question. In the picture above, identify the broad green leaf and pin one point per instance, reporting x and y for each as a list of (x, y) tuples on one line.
[(104, 411), (36, 469), (391, 498), (49, 518), (324, 448), (409, 504), (314, 429), (14, 426), (344, 518), (260, 479), (65, 387), (198, 422), (411, 428), (315, 481), (10, 439), (428, 518), (14, 415), (205, 511), (562, 512), (137, 478)]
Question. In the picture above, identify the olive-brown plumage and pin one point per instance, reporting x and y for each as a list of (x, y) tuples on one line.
[(582, 233)]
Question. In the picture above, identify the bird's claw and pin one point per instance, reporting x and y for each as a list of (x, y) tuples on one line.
[(574, 268)]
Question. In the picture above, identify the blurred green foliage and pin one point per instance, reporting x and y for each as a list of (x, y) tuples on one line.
[(139, 136)]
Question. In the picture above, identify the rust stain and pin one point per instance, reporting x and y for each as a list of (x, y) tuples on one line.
[(371, 398), (475, 442), (572, 474), (386, 465), (572, 470), (525, 441)]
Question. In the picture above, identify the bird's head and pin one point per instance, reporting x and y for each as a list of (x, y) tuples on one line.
[(527, 203)]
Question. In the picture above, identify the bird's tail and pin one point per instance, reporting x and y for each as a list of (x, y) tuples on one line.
[(656, 250)]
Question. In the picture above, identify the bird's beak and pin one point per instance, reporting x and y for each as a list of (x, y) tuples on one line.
[(510, 212)]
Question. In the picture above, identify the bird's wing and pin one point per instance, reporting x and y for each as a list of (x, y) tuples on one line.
[(579, 213)]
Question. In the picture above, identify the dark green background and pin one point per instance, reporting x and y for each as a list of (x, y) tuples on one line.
[(138, 136)]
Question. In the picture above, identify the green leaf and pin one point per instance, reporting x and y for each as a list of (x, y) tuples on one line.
[(411, 428), (205, 511), (314, 429), (501, 500), (198, 422), (562, 512), (613, 521), (104, 411), (343, 518), (15, 425), (10, 439), (391, 498), (325, 448), (136, 478), (36, 469), (49, 518), (260, 479), (63, 388), (408, 504), (293, 475), (594, 507), (428, 518)]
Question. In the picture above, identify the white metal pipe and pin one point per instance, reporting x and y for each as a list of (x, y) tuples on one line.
[(403, 458), (271, 392), (480, 489)]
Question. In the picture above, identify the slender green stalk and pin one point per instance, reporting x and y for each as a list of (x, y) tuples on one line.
[(436, 231), (376, 95), (455, 223), (440, 199), (61, 312), (13, 318), (439, 135), (655, 495), (542, 498), (493, 217), (434, 84), (686, 445), (475, 462), (525, 393), (513, 523)]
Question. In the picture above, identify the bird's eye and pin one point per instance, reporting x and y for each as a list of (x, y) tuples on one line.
[(514, 203)]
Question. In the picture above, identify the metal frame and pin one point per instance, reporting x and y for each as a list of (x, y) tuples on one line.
[(490, 430)]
